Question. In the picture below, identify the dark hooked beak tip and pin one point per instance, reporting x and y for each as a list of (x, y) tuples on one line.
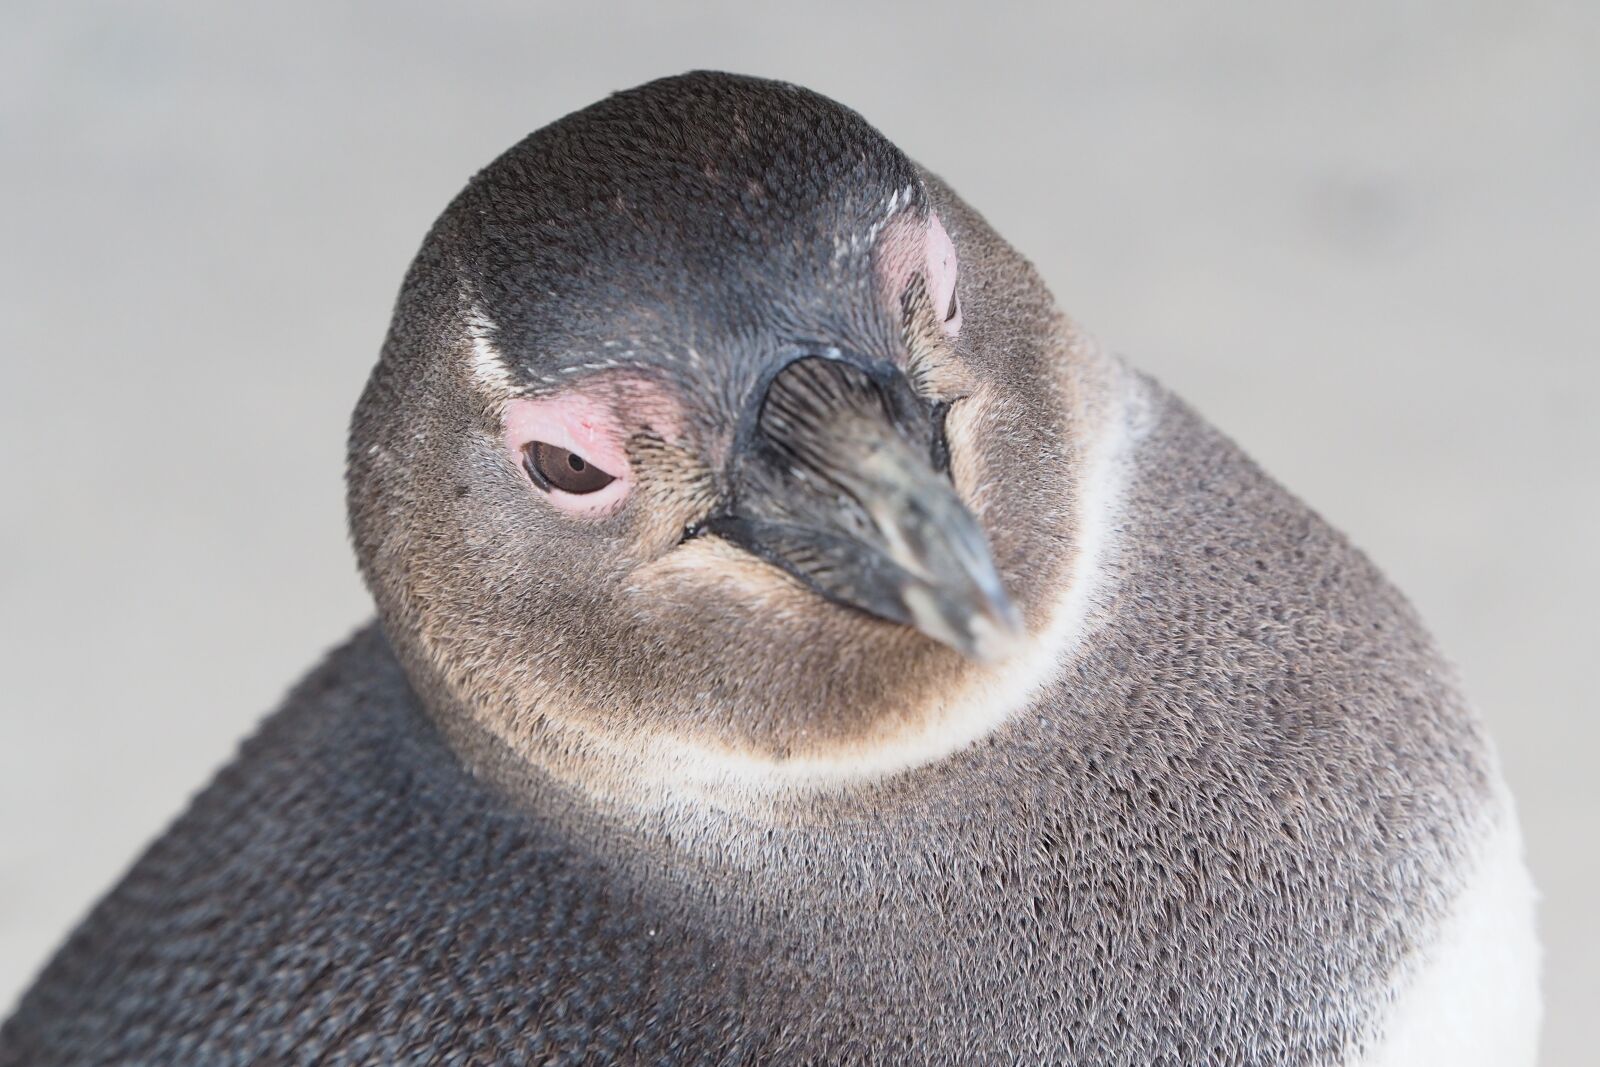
[(980, 623), (948, 582)]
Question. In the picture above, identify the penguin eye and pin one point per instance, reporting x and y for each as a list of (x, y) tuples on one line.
[(552, 467)]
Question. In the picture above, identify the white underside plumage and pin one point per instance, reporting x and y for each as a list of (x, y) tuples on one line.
[(1471, 997)]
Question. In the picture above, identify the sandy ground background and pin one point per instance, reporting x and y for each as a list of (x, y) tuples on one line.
[(1363, 238)]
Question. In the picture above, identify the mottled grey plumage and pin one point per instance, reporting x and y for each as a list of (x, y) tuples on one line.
[(1221, 828)]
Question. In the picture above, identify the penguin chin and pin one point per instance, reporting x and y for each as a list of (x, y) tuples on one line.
[(822, 701), (781, 774), (750, 727)]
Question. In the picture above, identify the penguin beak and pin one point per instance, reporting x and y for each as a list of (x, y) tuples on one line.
[(835, 483)]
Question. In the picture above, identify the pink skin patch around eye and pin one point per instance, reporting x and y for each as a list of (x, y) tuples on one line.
[(941, 267), (580, 424)]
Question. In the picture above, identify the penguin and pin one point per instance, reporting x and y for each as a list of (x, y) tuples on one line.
[(797, 641)]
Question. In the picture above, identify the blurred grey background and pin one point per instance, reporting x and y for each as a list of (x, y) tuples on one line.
[(1363, 238)]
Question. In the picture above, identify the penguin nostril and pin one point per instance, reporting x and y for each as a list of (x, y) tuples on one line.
[(940, 448)]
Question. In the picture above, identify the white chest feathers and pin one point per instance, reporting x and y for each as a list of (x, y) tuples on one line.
[(1471, 997)]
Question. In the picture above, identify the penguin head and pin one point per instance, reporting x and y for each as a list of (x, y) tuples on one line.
[(713, 437)]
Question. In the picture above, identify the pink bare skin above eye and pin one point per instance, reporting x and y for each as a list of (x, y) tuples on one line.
[(907, 248), (580, 424), (941, 267)]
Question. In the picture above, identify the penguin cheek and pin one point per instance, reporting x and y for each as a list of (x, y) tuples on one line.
[(582, 426), (941, 265)]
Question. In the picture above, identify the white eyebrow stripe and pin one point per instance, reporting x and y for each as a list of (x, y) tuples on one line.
[(488, 363)]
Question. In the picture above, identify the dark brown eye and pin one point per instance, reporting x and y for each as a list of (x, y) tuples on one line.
[(954, 307), (551, 467)]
